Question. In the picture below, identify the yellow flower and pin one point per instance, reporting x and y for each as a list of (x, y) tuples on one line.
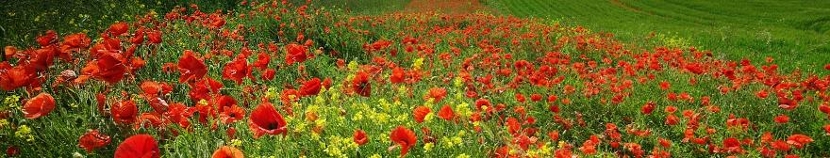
[(236, 143), (24, 132), (418, 63), (429, 117), (458, 82), (428, 147), (4, 123), (11, 101), (463, 156), (353, 65), (375, 156)]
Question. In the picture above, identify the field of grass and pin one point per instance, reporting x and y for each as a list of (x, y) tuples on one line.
[(374, 78), (797, 32)]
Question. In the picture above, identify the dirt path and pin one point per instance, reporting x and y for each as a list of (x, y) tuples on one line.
[(444, 6)]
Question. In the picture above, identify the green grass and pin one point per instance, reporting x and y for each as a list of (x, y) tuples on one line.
[(795, 33), (361, 6)]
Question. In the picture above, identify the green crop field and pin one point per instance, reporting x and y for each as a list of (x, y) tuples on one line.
[(797, 32)]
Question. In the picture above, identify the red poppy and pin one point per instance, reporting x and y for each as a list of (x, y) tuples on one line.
[(262, 61), (268, 74), (266, 120), (827, 129), (326, 83), (138, 146), (39, 106), (695, 68), (310, 87), (398, 75), (227, 152), (360, 137), (648, 108), (154, 36), (110, 68), (48, 38), (782, 119), (78, 40), (92, 140), (403, 137), (827, 67), (191, 67), (295, 53), (236, 70), (535, 97), (124, 112), (202, 89), (361, 85), (799, 140), (12, 151), (780, 145), (732, 145), (232, 114), (665, 85), (420, 112), (671, 120), (446, 113), (436, 93), (118, 28)]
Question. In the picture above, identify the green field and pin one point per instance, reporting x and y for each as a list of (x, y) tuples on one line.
[(795, 33)]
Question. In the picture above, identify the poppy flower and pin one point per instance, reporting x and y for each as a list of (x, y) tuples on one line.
[(695, 68), (360, 137), (361, 85), (782, 119), (191, 67), (310, 87), (827, 67), (664, 85), (138, 146), (232, 114), (398, 75), (78, 40), (295, 53), (154, 37), (780, 145), (262, 61), (799, 140), (227, 152), (732, 145), (268, 74), (827, 129), (118, 28), (265, 119), (648, 108), (672, 120), (404, 138), (437, 94), (110, 68), (92, 140), (124, 112), (446, 113), (12, 151), (47, 38), (39, 106), (236, 70), (420, 113)]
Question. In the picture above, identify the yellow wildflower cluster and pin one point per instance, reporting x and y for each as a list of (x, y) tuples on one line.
[(338, 146)]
